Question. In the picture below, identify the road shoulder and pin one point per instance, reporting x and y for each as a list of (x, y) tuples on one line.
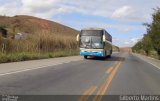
[(15, 67), (152, 61)]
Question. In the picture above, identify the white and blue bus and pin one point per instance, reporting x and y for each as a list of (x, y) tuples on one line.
[(95, 42)]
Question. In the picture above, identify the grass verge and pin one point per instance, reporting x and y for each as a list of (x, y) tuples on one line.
[(23, 56)]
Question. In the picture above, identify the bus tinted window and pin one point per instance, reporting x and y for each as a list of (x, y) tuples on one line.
[(92, 32)]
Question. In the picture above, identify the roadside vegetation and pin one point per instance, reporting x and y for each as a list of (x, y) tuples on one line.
[(28, 38), (115, 49), (150, 44), (37, 46)]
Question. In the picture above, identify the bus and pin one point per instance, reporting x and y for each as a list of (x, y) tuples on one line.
[(95, 42)]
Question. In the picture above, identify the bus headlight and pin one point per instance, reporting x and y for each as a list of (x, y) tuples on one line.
[(82, 50), (100, 52)]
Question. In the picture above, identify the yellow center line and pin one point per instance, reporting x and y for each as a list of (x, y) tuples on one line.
[(105, 85), (87, 93), (116, 62), (109, 70)]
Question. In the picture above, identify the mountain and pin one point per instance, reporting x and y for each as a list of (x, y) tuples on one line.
[(33, 25)]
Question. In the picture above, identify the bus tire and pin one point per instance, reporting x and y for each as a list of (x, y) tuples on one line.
[(109, 56), (105, 54), (104, 57), (85, 57)]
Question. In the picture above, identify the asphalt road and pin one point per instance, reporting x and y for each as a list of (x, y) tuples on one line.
[(122, 74)]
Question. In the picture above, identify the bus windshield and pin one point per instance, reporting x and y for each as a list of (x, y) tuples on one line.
[(94, 42)]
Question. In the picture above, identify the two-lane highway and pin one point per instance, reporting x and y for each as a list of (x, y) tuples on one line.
[(123, 73)]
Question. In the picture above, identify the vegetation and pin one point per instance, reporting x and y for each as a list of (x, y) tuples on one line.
[(115, 49), (43, 45), (3, 31), (45, 39), (151, 41)]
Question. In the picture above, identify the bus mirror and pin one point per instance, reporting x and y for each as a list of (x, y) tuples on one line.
[(104, 39), (77, 38)]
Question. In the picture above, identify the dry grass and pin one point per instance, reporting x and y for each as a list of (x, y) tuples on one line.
[(37, 46), (46, 39)]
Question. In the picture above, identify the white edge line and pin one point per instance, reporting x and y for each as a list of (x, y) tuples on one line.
[(147, 61), (28, 69)]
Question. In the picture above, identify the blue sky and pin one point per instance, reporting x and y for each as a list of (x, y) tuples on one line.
[(123, 19)]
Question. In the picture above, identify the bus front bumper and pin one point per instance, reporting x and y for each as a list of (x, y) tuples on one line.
[(92, 53)]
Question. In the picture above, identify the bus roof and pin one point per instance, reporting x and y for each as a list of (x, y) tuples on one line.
[(93, 29)]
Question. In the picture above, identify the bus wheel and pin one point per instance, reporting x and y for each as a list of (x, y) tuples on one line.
[(104, 58), (85, 57), (109, 56)]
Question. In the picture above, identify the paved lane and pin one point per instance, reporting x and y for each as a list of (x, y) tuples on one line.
[(136, 76), (68, 78), (123, 73)]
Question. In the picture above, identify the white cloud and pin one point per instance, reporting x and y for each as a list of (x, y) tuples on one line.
[(130, 10), (39, 6), (129, 13), (129, 42), (9, 8), (126, 30), (122, 28), (122, 12)]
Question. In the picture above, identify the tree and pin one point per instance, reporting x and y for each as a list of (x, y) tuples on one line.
[(147, 44), (137, 47), (154, 31), (152, 39)]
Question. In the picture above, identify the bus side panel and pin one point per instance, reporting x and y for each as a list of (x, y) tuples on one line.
[(108, 49)]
